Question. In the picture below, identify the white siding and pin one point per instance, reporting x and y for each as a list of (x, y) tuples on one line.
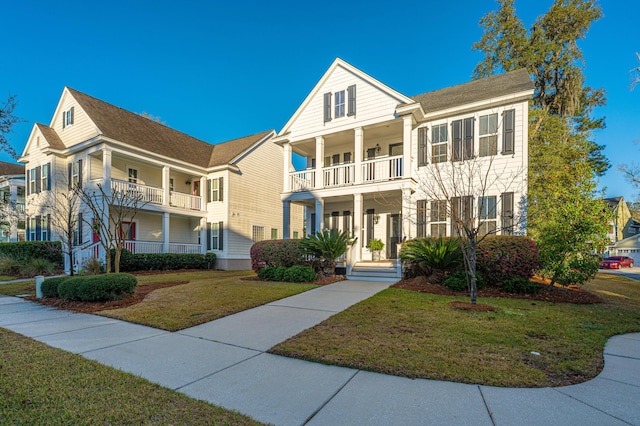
[(82, 128)]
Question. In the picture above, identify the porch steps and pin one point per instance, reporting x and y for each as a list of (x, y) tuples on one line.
[(383, 271)]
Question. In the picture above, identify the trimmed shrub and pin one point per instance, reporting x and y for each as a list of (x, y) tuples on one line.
[(97, 288), (503, 257), (431, 253), (520, 286), (25, 250), (300, 274), (92, 267), (38, 266), (458, 281), (276, 253), (130, 262), (50, 286)]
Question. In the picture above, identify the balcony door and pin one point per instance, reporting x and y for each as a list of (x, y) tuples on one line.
[(128, 234), (394, 235)]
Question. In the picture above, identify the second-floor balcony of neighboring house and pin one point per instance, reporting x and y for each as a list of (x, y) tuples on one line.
[(146, 194)]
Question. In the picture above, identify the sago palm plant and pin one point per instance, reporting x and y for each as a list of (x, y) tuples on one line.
[(431, 253), (327, 246)]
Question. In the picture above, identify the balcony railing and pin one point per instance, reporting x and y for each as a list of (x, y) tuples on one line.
[(185, 201), (377, 170), (153, 247), (144, 193)]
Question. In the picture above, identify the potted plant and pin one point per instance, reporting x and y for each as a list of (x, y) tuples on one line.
[(375, 246)]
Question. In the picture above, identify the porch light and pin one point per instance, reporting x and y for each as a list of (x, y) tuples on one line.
[(188, 182), (378, 149), (376, 219)]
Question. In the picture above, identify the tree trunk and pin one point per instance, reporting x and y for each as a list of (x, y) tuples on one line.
[(472, 269), (116, 261), (329, 268), (70, 253)]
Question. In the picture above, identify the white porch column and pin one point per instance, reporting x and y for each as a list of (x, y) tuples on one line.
[(319, 164), (357, 155), (165, 232), (204, 187), (13, 223), (106, 171), (319, 213), (407, 122), (408, 225), (166, 186), (356, 252), (286, 220), (203, 235), (286, 166), (308, 211)]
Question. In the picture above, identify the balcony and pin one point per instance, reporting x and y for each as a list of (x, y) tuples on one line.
[(376, 170), (152, 195)]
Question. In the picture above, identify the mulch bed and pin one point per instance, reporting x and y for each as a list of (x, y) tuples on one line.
[(572, 294), (91, 307)]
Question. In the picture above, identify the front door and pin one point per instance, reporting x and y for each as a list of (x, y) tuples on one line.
[(128, 234), (394, 236)]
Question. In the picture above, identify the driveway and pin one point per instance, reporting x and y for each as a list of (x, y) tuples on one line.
[(633, 273)]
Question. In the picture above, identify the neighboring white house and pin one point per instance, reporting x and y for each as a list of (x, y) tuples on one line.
[(197, 197), (12, 216), (371, 152)]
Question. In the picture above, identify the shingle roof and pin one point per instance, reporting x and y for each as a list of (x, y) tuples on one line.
[(474, 91), (140, 132), (51, 136), (11, 169)]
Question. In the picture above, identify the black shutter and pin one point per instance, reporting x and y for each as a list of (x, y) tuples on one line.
[(468, 138), (48, 176), (208, 236), (313, 223), (456, 136), (422, 146), (508, 126), (70, 173), (422, 218), (220, 236), (38, 227), (80, 240), (38, 177), (220, 189), (80, 174), (27, 226), (327, 107), (28, 179), (351, 106), (48, 227), (71, 119), (64, 119), (370, 213), (507, 213)]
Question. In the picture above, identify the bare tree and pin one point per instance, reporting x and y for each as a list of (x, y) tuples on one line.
[(7, 121), (10, 215), (110, 209), (635, 74), (473, 192)]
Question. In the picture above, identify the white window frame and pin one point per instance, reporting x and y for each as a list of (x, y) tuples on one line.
[(44, 177), (67, 118), (340, 104), (215, 236), (32, 181), (257, 233), (439, 143), (32, 228), (44, 226), (438, 218), (75, 173), (487, 215), (488, 134), (134, 178), (215, 190)]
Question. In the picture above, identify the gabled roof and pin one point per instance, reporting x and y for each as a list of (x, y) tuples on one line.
[(613, 201), (140, 132), (51, 136), (11, 169), (477, 90)]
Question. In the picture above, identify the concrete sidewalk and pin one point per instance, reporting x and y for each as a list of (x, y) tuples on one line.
[(223, 362)]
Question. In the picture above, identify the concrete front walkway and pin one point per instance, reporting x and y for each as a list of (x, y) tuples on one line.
[(224, 362)]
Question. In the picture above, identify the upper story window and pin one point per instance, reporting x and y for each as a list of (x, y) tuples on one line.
[(488, 135), (32, 181), (39, 179), (133, 175), (171, 186), (343, 103), (44, 179), (508, 128), (75, 174), (217, 189), (439, 139), (67, 117), (462, 133)]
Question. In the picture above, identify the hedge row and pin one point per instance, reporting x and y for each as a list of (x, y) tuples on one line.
[(26, 250), (293, 274), (130, 262), (94, 288), (276, 253), (501, 258)]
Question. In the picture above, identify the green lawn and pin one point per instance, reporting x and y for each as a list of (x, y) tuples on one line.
[(22, 287), (44, 385), (208, 296), (412, 334)]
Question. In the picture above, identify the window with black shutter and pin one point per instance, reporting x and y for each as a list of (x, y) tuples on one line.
[(327, 107), (507, 213), (351, 95), (508, 127), (422, 146)]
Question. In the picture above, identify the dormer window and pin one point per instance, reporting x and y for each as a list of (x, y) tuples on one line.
[(339, 97), (67, 117), (344, 103)]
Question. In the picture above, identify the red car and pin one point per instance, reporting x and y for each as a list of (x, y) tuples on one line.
[(616, 262)]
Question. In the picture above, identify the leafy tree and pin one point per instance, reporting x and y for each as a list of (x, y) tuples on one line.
[(564, 161), (7, 121), (327, 246)]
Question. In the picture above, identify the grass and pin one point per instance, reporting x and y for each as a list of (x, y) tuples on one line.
[(413, 334), (22, 287), (207, 296), (43, 385)]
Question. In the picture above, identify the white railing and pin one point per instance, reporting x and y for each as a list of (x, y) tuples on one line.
[(154, 247), (382, 169), (82, 254), (145, 194), (302, 181), (186, 201), (340, 175)]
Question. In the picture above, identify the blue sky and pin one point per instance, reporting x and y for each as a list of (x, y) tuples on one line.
[(220, 70)]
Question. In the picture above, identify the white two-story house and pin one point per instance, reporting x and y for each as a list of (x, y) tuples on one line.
[(195, 196), (372, 155), (12, 207)]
